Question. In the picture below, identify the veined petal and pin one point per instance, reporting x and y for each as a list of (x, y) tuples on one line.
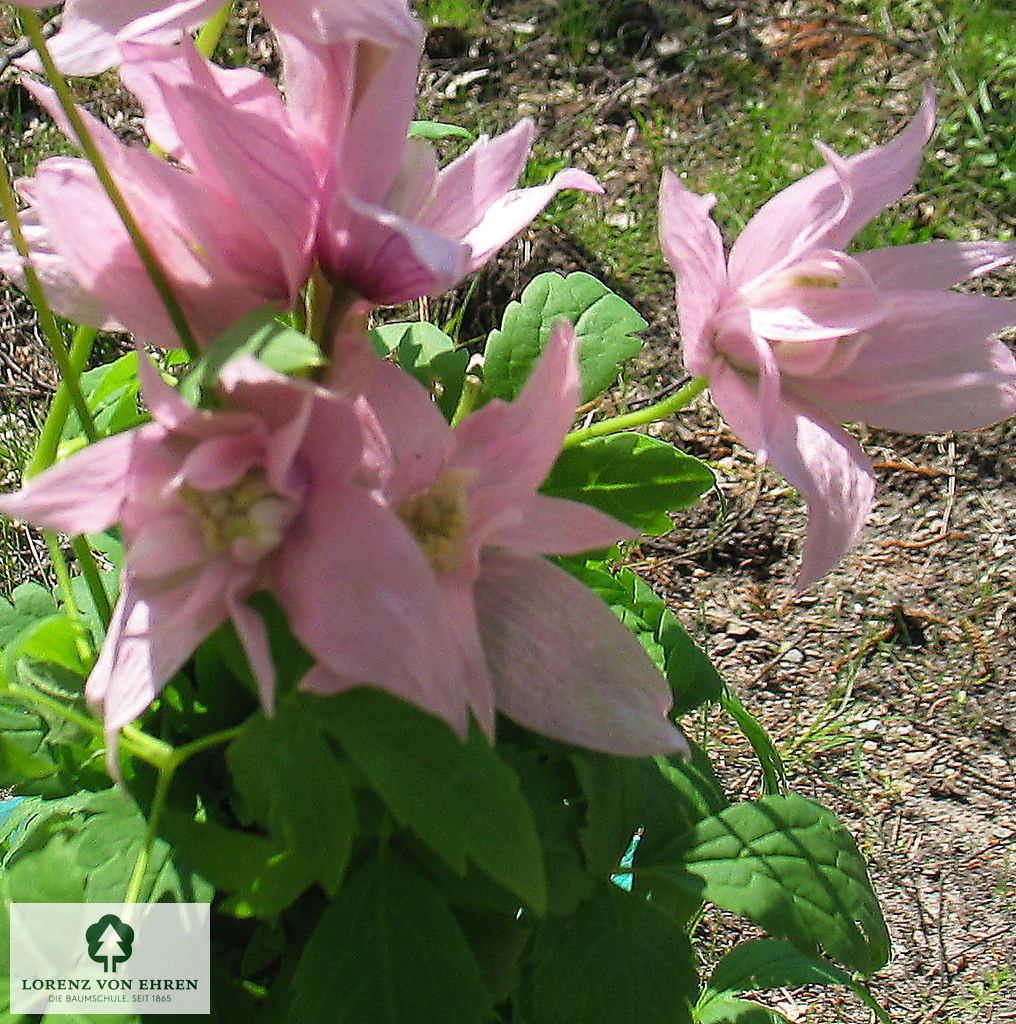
[(817, 457), (694, 249), (934, 264), (829, 205), (92, 30), (474, 181), (387, 258), (515, 444), (825, 295), (540, 525), (562, 663), (387, 22), (145, 644), (505, 218), (930, 365), (82, 494), (346, 599)]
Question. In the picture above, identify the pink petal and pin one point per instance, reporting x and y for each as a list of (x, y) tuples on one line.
[(509, 215), (89, 38), (934, 264), (824, 295), (254, 639), (817, 457), (828, 206), (421, 442), (473, 182), (83, 494), (387, 258), (694, 249), (515, 444), (62, 289), (931, 365), (352, 579), (563, 665), (387, 22), (539, 525)]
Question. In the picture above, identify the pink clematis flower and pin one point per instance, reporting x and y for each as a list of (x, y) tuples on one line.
[(266, 494), (393, 227), (534, 642), (232, 222), (93, 31), (797, 337)]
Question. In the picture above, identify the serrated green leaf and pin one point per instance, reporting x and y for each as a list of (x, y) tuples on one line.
[(387, 950), (616, 960), (787, 864), (632, 477), (730, 1010), (430, 355), (604, 323), (693, 679), (435, 131), (258, 334), (304, 798), (459, 797), (772, 963)]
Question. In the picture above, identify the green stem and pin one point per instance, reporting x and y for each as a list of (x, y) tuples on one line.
[(471, 388), (33, 29), (90, 571), (9, 206), (211, 32), (133, 894), (650, 414), (63, 578), (773, 772), (166, 775), (47, 446)]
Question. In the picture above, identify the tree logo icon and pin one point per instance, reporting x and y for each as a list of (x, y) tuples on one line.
[(110, 942)]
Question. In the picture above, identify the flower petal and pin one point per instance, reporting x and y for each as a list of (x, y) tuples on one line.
[(934, 264), (563, 664), (694, 249), (82, 494), (515, 444), (930, 365), (829, 205), (814, 454)]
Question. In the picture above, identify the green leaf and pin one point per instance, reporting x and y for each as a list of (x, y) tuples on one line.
[(787, 864), (772, 963), (610, 786), (94, 840), (263, 877), (692, 677), (774, 775), (111, 393), (31, 603), (604, 323), (458, 796), (387, 950), (430, 355), (729, 1010), (304, 800), (631, 477), (617, 960), (258, 334), (435, 131)]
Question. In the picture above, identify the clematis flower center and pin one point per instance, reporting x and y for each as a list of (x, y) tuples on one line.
[(439, 518), (247, 520)]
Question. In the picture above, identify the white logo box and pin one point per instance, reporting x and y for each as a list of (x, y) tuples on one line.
[(110, 958)]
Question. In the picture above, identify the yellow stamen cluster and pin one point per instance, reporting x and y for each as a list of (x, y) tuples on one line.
[(439, 518)]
